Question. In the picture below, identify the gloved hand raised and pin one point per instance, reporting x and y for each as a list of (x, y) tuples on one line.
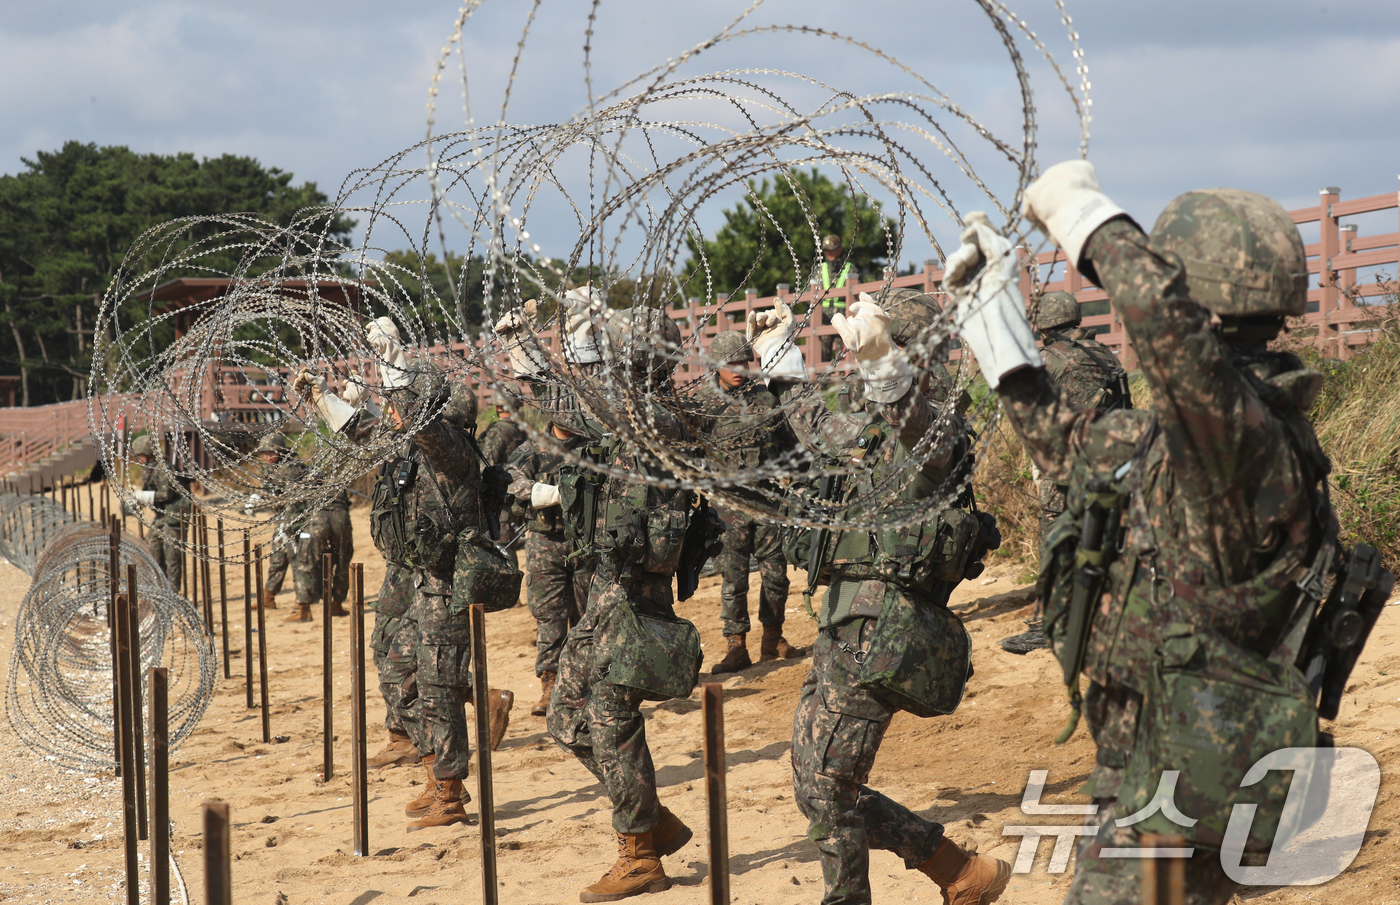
[(584, 311), (526, 356), (1067, 205), (770, 334), (383, 337), (988, 310), (866, 333), (336, 412), (357, 395)]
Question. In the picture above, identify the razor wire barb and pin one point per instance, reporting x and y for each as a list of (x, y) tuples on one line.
[(636, 175)]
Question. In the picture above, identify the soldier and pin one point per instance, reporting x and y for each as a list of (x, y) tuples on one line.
[(557, 584), (839, 722), (427, 520), (498, 441), (168, 497), (1219, 489), (598, 721), (746, 434), (396, 673), (1091, 377)]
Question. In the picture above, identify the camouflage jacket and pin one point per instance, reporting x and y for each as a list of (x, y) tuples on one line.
[(527, 467), (171, 499), (1080, 367), (500, 438), (1223, 475), (291, 472), (746, 429)]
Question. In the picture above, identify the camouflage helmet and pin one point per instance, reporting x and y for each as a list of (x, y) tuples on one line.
[(274, 442), (1056, 309), (461, 407), (143, 446), (730, 347), (1242, 252), (648, 336), (911, 312), (831, 243)]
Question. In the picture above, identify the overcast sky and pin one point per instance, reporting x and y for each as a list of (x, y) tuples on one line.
[(1281, 97)]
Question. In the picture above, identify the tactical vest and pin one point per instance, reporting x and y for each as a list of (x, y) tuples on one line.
[(1089, 373), (422, 539)]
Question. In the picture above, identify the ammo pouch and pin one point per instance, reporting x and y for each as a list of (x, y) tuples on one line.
[(386, 517), (939, 552), (642, 535), (579, 490), (658, 655), (1212, 709), (484, 575), (919, 657)]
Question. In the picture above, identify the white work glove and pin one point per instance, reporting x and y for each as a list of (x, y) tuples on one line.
[(252, 503), (770, 334), (1067, 205), (866, 333), (130, 507), (145, 497), (526, 357), (336, 412), (988, 310), (584, 309), (357, 396), (542, 496), (383, 336)]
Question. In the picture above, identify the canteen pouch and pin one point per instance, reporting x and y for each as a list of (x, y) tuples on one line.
[(659, 655), (919, 657), (484, 575)]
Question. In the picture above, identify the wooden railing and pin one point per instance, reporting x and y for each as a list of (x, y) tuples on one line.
[(28, 435)]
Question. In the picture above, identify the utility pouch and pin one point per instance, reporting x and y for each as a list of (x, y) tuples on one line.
[(638, 534), (1212, 709), (578, 501), (953, 543), (659, 655), (919, 657), (483, 575)]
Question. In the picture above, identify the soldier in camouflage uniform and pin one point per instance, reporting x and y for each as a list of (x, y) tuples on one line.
[(745, 435), (557, 583), (396, 673), (839, 723), (1221, 483), (427, 520), (597, 721), (168, 498), (498, 442)]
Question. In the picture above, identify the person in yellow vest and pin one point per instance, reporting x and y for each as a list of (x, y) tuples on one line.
[(834, 277)]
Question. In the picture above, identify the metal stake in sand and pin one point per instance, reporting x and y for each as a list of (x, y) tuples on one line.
[(204, 573), (359, 778), (485, 793), (262, 653), (712, 702), (223, 594), (138, 735), (129, 829), (248, 614), (1164, 873), (218, 879), (114, 573), (327, 686), (160, 786)]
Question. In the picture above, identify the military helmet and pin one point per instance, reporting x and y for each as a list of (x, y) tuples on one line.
[(274, 442), (911, 312), (648, 336), (730, 347), (1056, 309), (1242, 252), (143, 446), (460, 410), (831, 243)]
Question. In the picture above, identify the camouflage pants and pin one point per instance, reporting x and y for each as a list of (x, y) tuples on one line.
[(557, 591), (836, 733), (433, 649), (328, 531), (742, 538), (163, 543), (277, 566), (395, 595), (1054, 498), (601, 723)]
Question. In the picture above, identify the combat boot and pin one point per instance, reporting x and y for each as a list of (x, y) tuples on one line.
[(500, 704), (775, 647), (546, 689), (338, 608), (419, 805), (670, 834), (638, 870), (1027, 641), (966, 879), (735, 659), (301, 614), (446, 807), (400, 752), (269, 600)]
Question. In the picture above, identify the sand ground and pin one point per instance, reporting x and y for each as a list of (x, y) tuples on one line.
[(60, 831)]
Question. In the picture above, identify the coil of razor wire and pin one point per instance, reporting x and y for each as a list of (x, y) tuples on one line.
[(59, 689)]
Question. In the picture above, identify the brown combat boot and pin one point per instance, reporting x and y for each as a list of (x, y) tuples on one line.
[(735, 659), (301, 614), (446, 808), (269, 600), (670, 834), (966, 879), (419, 805), (500, 704), (338, 608), (637, 870), (775, 647), (400, 752), (546, 689)]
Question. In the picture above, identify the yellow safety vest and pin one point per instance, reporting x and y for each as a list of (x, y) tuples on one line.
[(836, 303)]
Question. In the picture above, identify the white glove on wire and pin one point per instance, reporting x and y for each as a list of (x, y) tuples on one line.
[(988, 309), (542, 496), (145, 497), (383, 336), (336, 412), (866, 333), (357, 396), (526, 357), (584, 308), (770, 334), (252, 503), (1067, 205)]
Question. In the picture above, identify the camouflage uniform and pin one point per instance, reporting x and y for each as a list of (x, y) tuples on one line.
[(557, 583), (498, 441), (1220, 486), (839, 725), (395, 596), (325, 531), (169, 507)]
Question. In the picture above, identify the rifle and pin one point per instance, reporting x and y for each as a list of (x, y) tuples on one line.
[(701, 542), (1340, 629)]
